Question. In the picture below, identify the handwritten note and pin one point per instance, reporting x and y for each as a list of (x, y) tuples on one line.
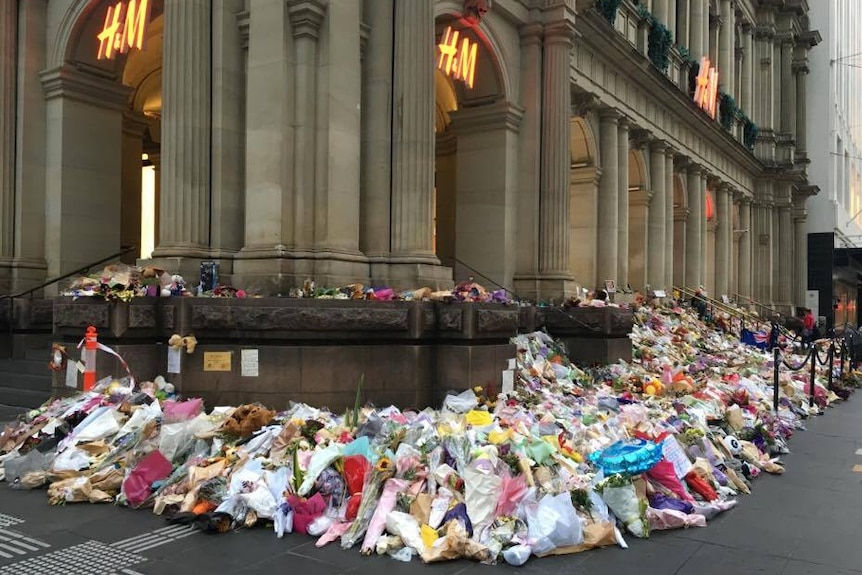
[(249, 363), (175, 356), (674, 453)]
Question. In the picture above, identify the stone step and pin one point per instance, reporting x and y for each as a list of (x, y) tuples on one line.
[(37, 367), (23, 397)]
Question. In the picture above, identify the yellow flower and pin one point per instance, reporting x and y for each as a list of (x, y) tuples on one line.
[(384, 465)]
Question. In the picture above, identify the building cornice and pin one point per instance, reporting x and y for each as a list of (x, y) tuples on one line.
[(72, 83)]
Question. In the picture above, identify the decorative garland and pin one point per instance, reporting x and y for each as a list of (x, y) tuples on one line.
[(608, 9), (727, 110), (749, 133)]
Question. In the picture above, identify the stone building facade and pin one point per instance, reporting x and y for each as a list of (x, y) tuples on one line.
[(542, 145)]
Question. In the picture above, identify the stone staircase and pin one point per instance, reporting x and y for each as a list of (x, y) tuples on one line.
[(25, 379)]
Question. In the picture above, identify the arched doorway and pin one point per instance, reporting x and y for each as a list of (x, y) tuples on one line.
[(103, 109), (709, 243), (583, 200), (476, 157), (639, 195)]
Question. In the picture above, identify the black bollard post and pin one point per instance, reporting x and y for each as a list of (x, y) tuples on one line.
[(775, 361), (813, 376), (841, 361), (829, 363)]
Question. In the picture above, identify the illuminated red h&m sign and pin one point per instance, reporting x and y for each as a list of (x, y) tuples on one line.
[(125, 28), (458, 62)]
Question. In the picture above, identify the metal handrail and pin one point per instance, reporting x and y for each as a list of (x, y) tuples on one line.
[(757, 304), (735, 311), (76, 272)]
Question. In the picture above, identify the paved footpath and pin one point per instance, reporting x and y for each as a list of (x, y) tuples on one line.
[(806, 522)]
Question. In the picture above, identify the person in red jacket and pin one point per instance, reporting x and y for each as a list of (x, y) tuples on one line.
[(807, 327)]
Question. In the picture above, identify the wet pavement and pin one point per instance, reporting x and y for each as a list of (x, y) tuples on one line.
[(806, 522)]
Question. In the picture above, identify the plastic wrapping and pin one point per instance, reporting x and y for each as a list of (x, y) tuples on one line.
[(554, 523)]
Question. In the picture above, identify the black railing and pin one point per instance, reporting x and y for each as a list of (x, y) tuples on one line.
[(812, 359), (29, 292)]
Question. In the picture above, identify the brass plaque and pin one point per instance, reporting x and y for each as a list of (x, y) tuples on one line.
[(217, 360)]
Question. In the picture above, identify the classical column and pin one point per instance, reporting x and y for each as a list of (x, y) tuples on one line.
[(730, 23), (745, 91), (623, 202), (788, 88), (659, 10), (723, 241), (683, 24), (668, 221), (699, 20), (376, 129), (694, 229), (306, 18), (670, 23), (608, 208), (704, 238), (715, 25), (800, 253), (186, 128), (744, 259), (657, 243), (8, 86), (413, 133), (762, 243), (556, 157), (801, 110), (786, 243), (725, 46)]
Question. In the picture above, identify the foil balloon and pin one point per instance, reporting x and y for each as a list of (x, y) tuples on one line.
[(628, 457)]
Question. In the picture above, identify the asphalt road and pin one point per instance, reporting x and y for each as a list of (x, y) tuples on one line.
[(806, 522)]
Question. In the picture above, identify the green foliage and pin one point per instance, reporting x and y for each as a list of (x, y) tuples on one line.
[(749, 133), (727, 110), (608, 9), (659, 43)]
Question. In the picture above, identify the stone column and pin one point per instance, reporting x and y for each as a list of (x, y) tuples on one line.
[(802, 111), (670, 23), (556, 157), (683, 21), (8, 88), (413, 133), (762, 243), (745, 247), (723, 241), (694, 229), (623, 202), (608, 208), (186, 130), (800, 253), (786, 243), (715, 25), (748, 57), (788, 89), (698, 41), (704, 181), (669, 262), (376, 130), (725, 46), (657, 242), (659, 10)]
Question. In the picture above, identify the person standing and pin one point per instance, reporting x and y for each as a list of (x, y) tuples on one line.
[(807, 328)]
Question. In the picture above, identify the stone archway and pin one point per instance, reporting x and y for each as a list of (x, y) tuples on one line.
[(639, 195), (95, 135), (708, 249), (476, 162)]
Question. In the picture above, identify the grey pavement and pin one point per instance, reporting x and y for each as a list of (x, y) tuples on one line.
[(806, 522)]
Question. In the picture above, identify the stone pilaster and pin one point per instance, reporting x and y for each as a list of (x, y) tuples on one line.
[(801, 111), (723, 241), (669, 263), (783, 288), (788, 88), (670, 23), (715, 25), (556, 157), (748, 58), (762, 243), (800, 252), (699, 23), (306, 18), (683, 21), (376, 130), (657, 242), (623, 201), (704, 182), (694, 228), (608, 206), (659, 10), (8, 87), (726, 57), (186, 130), (744, 260)]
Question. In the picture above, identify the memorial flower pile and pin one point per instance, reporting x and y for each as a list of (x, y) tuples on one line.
[(563, 461)]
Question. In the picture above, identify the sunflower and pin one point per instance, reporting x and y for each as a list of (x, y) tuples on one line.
[(384, 465)]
